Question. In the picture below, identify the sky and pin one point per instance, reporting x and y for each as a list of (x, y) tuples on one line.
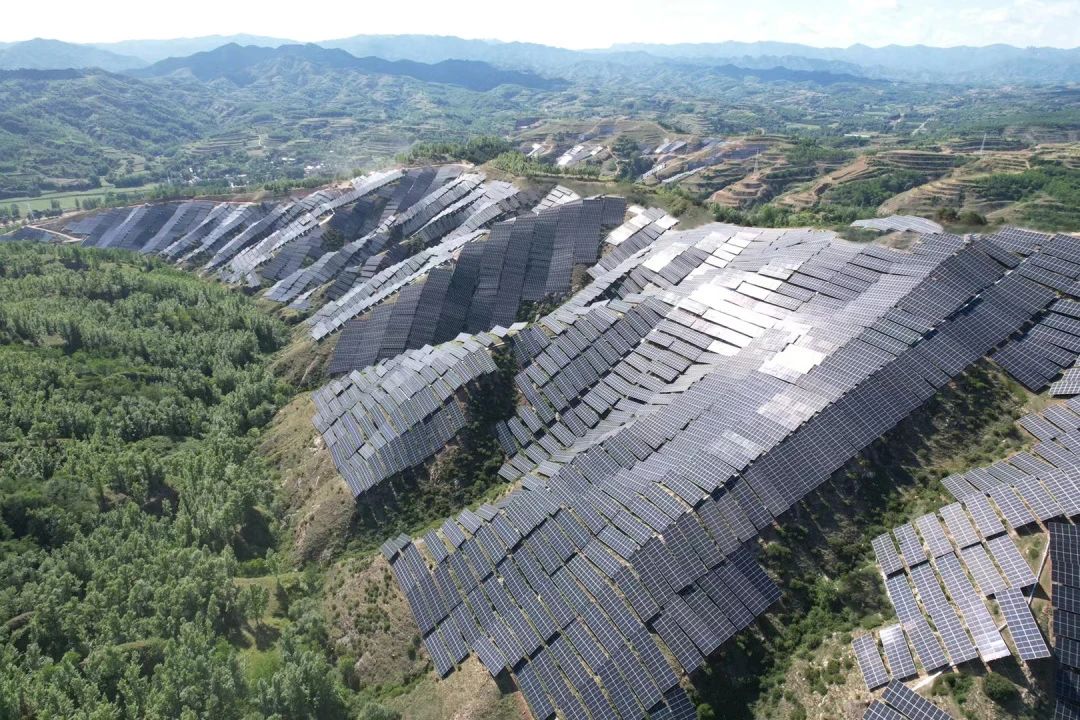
[(566, 23)]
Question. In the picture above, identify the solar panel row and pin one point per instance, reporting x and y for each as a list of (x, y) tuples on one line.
[(1064, 555), (520, 260)]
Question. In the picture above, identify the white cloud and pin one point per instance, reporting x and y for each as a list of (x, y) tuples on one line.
[(867, 7)]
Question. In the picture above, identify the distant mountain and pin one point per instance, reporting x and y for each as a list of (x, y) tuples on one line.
[(990, 65), (993, 64), (41, 54), (779, 73), (436, 48), (243, 65), (151, 51), (979, 65)]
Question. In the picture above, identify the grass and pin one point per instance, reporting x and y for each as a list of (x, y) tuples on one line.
[(260, 664), (316, 499), (67, 198), (467, 693)]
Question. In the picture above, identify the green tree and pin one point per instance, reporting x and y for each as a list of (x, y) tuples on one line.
[(198, 679), (999, 689), (627, 153)]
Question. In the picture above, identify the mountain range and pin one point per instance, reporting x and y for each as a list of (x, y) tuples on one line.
[(245, 64), (989, 65), (41, 54)]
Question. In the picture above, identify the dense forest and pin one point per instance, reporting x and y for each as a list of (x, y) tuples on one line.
[(134, 509)]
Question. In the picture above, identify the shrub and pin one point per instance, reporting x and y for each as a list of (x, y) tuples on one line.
[(999, 689)]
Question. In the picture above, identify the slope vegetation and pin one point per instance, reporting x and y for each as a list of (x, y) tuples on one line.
[(132, 500)]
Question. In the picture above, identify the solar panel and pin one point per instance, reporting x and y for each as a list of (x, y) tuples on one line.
[(1011, 562), (885, 553), (958, 486), (1064, 489), (1067, 684), (1041, 428), (1068, 651), (901, 664), (878, 710), (1066, 623), (1064, 710), (910, 547), (869, 660), (986, 520), (911, 704), (982, 569), (1025, 633), (899, 592), (956, 520), (955, 638), (932, 533)]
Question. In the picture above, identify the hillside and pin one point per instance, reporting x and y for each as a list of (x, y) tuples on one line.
[(440, 435), (136, 517), (62, 129), (413, 377)]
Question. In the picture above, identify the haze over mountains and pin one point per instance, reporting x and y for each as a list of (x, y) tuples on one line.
[(244, 65), (972, 65), (41, 54)]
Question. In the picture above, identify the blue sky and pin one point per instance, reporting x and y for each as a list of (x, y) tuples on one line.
[(566, 23)]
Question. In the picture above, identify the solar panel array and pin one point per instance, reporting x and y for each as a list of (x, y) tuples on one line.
[(396, 415), (912, 705), (1065, 598), (958, 564), (527, 259), (1028, 487), (895, 223), (1010, 494), (759, 362), (283, 243), (558, 195), (233, 239), (702, 383), (246, 259), (425, 207), (1053, 344)]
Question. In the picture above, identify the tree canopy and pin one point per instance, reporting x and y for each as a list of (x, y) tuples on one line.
[(131, 495)]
